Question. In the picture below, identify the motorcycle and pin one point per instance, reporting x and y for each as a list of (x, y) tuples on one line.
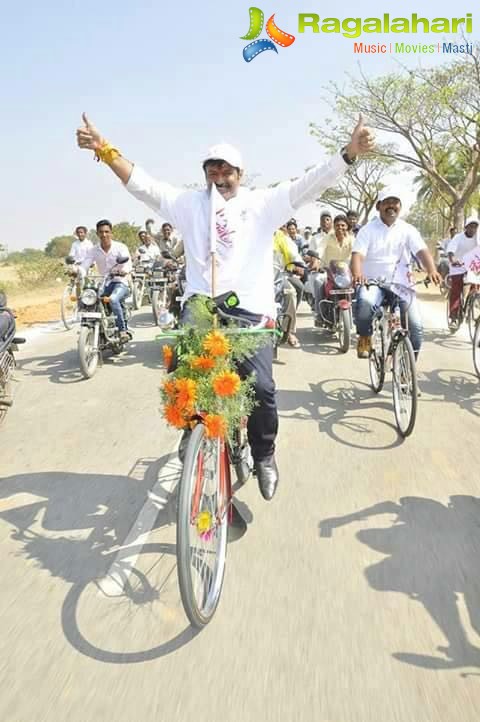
[(335, 309), (8, 345), (142, 273), (443, 267), (167, 285), (98, 326)]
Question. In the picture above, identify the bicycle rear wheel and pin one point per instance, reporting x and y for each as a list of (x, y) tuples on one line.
[(476, 348), (404, 386), (202, 521), (453, 324), (376, 359)]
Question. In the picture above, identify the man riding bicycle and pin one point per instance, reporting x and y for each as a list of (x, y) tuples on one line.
[(459, 246), (245, 223), (383, 248)]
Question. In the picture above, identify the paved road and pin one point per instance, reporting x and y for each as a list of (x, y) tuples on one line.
[(354, 596)]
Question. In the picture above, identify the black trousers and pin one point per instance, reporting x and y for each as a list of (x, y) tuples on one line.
[(263, 422)]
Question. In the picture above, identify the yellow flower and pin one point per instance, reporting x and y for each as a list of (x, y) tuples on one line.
[(216, 344), (174, 416), (186, 394), (215, 426), (167, 355), (202, 363), (226, 383)]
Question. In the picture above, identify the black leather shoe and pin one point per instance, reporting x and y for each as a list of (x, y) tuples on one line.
[(266, 472)]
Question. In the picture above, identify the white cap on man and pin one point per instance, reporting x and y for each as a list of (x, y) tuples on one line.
[(469, 220), (226, 152), (389, 192)]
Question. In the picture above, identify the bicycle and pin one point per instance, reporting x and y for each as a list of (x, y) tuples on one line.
[(469, 309), (476, 348), (392, 351), (206, 491)]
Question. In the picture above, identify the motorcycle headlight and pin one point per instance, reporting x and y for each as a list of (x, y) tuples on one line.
[(89, 297), (343, 280)]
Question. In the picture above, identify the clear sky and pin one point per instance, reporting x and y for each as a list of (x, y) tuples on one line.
[(163, 81)]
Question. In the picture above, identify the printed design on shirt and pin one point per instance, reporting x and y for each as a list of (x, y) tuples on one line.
[(259, 45), (224, 233), (474, 266)]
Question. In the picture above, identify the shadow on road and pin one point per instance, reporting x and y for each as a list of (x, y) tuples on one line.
[(460, 388), (75, 526), (443, 338), (319, 341), (334, 404), (432, 555)]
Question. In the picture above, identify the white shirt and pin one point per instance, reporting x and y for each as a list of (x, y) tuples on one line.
[(318, 242), (149, 253), (105, 261), (245, 227), (387, 249), (460, 245), (80, 250)]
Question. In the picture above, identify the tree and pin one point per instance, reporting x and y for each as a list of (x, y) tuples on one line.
[(127, 233), (59, 246), (434, 117)]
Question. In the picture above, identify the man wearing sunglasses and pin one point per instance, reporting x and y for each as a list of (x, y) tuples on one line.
[(245, 224)]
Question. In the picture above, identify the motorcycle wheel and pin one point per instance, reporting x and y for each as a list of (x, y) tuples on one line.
[(88, 358), (344, 329)]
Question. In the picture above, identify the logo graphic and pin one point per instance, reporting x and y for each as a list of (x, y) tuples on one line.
[(278, 36)]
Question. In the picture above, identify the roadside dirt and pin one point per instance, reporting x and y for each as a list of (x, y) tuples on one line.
[(39, 306)]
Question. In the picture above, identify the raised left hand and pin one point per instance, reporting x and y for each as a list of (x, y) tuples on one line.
[(362, 140)]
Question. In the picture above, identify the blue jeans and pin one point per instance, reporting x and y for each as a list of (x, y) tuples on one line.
[(117, 292), (369, 301)]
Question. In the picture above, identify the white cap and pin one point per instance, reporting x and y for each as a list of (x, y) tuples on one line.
[(226, 152), (389, 192), (471, 219)]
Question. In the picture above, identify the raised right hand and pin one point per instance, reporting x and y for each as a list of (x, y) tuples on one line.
[(88, 136)]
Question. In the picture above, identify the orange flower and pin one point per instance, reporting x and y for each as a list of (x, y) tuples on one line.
[(216, 344), (202, 363), (186, 394), (226, 383), (167, 355), (174, 416), (215, 426), (169, 387)]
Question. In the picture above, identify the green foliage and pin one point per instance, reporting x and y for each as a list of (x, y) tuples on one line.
[(126, 233), (59, 246), (26, 256), (38, 272)]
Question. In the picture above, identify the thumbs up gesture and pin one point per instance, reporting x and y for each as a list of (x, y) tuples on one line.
[(362, 140), (88, 136)]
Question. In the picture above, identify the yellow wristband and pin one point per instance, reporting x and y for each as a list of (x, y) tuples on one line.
[(107, 153)]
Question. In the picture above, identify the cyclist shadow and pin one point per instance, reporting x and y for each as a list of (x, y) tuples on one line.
[(334, 404), (319, 342), (432, 554), (453, 386), (443, 338), (85, 529), (62, 368)]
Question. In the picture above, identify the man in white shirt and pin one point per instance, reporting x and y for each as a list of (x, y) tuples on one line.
[(382, 250), (245, 224), (81, 246), (148, 249), (317, 241), (105, 256), (459, 246)]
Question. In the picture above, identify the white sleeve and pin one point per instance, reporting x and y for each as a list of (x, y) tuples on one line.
[(88, 260), (415, 241), (73, 251), (285, 199), (160, 197), (362, 242), (453, 245)]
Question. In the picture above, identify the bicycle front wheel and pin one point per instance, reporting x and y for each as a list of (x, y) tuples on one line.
[(473, 313), (202, 521), (476, 348), (404, 386)]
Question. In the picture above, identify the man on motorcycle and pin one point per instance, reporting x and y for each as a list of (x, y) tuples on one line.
[(285, 253), (337, 246), (106, 256), (459, 246), (148, 249), (245, 223), (382, 246), (353, 224), (318, 239), (78, 251)]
